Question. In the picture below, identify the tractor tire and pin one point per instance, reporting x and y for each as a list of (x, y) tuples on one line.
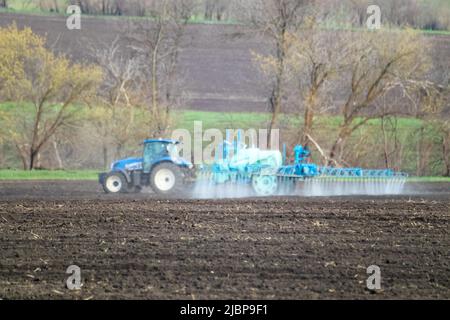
[(167, 179), (115, 182)]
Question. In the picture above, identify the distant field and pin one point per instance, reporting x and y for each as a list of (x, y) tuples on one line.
[(257, 120), (21, 6), (32, 7), (222, 120)]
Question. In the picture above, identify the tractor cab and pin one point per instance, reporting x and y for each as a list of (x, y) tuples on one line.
[(156, 151)]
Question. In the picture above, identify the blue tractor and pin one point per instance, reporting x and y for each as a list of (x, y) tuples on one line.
[(160, 168)]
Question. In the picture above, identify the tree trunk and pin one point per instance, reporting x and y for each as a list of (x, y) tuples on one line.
[(308, 119), (385, 140), (32, 161), (419, 153), (105, 157), (274, 119), (209, 9), (336, 150), (119, 148), (333, 151), (446, 154), (154, 73), (57, 155), (23, 156), (55, 4), (277, 90)]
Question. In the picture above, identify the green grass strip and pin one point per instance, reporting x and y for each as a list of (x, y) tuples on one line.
[(49, 175), (93, 175)]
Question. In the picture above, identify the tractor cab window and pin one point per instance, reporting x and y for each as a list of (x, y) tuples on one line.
[(154, 151), (173, 150)]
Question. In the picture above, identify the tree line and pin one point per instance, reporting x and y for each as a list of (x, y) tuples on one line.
[(360, 76), (124, 96), (433, 14)]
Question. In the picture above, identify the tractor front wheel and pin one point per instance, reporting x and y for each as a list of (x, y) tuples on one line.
[(166, 178), (114, 182)]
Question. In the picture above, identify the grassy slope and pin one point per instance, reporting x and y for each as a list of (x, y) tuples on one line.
[(246, 120), (21, 6), (48, 175), (222, 120), (93, 175)]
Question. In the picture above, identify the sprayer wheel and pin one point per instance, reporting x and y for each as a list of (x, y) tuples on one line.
[(265, 185)]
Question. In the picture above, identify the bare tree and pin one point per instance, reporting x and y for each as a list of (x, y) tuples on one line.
[(120, 96), (441, 77), (446, 148), (378, 63), (315, 58), (158, 42), (51, 83), (215, 9), (276, 19)]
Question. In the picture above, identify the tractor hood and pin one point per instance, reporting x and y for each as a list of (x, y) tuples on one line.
[(178, 161), (131, 164), (175, 160), (128, 164)]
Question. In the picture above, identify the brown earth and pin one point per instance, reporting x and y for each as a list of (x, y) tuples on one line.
[(141, 246), (216, 70)]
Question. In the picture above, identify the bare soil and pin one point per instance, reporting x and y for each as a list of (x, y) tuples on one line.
[(145, 247)]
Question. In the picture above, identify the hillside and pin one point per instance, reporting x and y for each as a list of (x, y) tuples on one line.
[(216, 68)]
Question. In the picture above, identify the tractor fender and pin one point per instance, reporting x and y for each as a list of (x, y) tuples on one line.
[(168, 160), (156, 163), (188, 172)]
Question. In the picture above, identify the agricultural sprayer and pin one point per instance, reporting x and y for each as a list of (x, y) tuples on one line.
[(237, 169), (269, 173)]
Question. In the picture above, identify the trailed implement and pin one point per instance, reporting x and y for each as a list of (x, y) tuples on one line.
[(267, 172)]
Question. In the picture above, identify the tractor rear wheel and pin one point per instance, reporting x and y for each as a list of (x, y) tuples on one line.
[(166, 178), (115, 182)]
